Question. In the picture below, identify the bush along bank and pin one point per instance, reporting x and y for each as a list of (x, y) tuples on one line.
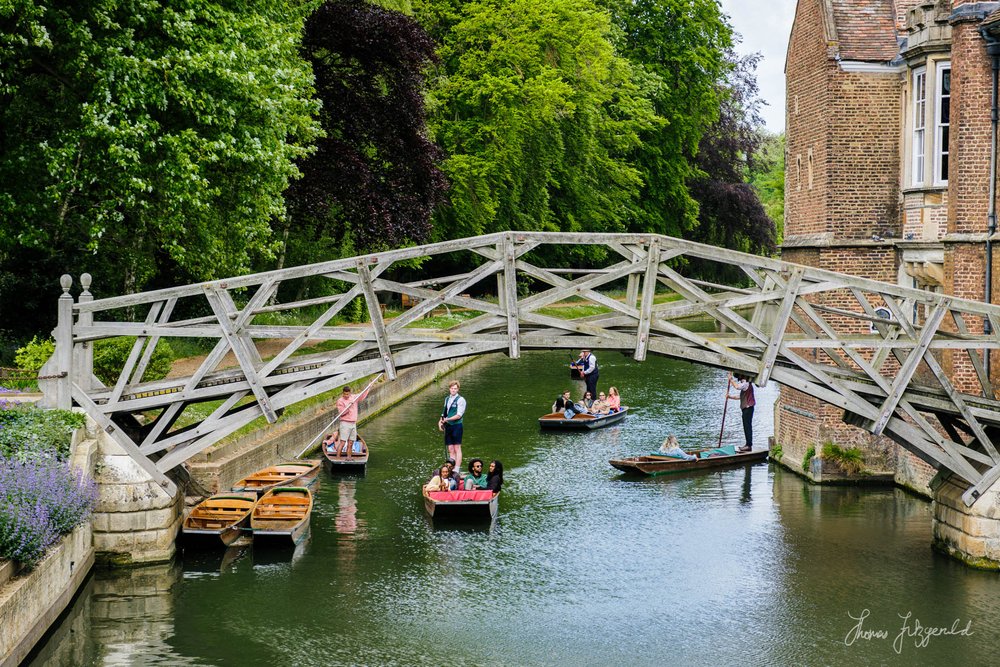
[(40, 501), (41, 496)]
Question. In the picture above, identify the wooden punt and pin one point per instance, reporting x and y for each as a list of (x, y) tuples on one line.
[(470, 505), (218, 521), (299, 473), (282, 515), (336, 463), (556, 421), (662, 465)]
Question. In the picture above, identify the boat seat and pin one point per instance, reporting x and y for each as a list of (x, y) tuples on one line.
[(280, 516)]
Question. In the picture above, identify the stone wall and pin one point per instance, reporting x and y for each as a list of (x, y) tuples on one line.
[(970, 534), (136, 521), (218, 468), (30, 603)]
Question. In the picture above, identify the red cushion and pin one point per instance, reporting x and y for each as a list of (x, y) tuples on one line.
[(451, 496)]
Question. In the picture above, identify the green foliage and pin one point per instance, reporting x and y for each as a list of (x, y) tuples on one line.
[(111, 354), (32, 355), (537, 115), (850, 460), (776, 453), (678, 48), (138, 137), (810, 453), (28, 432), (768, 179)]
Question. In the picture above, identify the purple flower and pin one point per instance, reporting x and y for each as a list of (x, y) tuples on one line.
[(39, 501)]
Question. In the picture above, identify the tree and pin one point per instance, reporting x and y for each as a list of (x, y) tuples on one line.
[(373, 181), (538, 117), (730, 212), (678, 48), (768, 179), (137, 135)]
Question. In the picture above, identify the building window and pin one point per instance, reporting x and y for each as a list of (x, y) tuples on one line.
[(942, 113), (809, 165), (919, 124), (798, 171)]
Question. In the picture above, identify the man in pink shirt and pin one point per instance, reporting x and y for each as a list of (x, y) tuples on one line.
[(347, 407)]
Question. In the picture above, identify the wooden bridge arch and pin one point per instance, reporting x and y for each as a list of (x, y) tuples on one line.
[(874, 349)]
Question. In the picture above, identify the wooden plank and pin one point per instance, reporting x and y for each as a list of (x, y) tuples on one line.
[(147, 353), (375, 315), (648, 293), (507, 293), (977, 362), (220, 306), (133, 356), (780, 323), (909, 367), (120, 437)]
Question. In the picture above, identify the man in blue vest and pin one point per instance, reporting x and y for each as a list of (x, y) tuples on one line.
[(589, 370), (451, 423)]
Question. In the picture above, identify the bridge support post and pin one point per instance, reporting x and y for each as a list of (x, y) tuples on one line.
[(969, 534), (64, 346)]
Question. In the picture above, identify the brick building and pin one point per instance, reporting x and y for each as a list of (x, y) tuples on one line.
[(888, 165)]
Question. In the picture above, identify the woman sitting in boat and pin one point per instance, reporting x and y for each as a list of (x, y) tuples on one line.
[(614, 400), (671, 447), (330, 442), (588, 401), (494, 480), (476, 479), (601, 406), (441, 481)]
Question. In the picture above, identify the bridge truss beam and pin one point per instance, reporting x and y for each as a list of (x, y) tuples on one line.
[(876, 350)]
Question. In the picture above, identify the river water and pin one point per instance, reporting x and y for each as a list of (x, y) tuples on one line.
[(584, 566)]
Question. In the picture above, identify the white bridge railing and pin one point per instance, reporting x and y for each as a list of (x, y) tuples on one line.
[(876, 350)]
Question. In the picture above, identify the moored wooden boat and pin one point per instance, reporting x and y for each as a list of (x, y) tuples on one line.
[(471, 505), (661, 465), (580, 422), (219, 520), (282, 515), (298, 473), (344, 461)]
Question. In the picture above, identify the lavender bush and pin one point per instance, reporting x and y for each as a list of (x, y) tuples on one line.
[(40, 500)]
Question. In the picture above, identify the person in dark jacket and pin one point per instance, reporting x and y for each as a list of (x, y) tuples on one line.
[(494, 479)]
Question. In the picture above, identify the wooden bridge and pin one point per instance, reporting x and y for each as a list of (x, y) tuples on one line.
[(876, 350)]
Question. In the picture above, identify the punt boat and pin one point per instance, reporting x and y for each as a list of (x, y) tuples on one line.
[(218, 520), (653, 464), (355, 462), (298, 473), (282, 515), (556, 421), (476, 505)]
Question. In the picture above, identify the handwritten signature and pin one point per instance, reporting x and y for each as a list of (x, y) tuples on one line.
[(911, 628)]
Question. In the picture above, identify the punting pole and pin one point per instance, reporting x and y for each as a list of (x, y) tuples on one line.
[(334, 420), (725, 404)]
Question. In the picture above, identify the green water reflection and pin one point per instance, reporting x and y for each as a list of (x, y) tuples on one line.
[(583, 566)]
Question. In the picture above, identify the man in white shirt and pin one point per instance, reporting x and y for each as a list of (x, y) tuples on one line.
[(590, 372), (451, 423)]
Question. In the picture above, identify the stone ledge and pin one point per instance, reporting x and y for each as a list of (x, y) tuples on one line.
[(30, 603)]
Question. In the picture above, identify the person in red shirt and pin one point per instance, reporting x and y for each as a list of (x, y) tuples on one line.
[(347, 407)]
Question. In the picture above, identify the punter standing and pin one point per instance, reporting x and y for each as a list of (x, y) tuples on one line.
[(451, 423), (742, 384), (589, 370)]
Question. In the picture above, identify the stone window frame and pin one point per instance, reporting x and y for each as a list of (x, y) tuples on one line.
[(925, 167), (941, 129), (918, 133)]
